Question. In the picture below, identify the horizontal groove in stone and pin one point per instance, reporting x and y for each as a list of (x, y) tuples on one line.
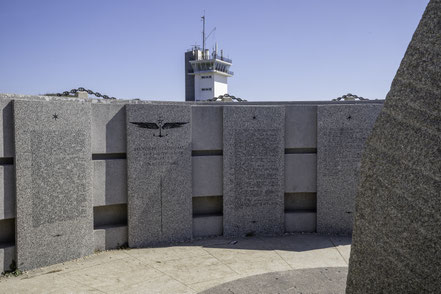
[(207, 153), (199, 196), (300, 150), (104, 227), (207, 215), (7, 245), (106, 216), (7, 161), (301, 202), (105, 156), (312, 194), (301, 210)]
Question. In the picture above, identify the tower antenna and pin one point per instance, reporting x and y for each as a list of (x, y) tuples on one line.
[(203, 33)]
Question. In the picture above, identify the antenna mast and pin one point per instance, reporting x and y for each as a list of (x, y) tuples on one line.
[(203, 34)]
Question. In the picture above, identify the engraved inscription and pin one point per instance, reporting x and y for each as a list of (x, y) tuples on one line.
[(160, 156), (256, 167), (343, 148), (59, 183)]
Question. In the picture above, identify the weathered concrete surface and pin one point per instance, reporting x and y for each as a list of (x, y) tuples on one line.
[(254, 170), (342, 133), (187, 268), (397, 231), (54, 182), (159, 174)]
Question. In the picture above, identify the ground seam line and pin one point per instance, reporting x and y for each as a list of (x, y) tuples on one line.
[(335, 246), (220, 261), (171, 277), (83, 284), (283, 259)]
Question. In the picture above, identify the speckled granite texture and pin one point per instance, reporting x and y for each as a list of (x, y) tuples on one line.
[(254, 145), (397, 235), (53, 176), (159, 174), (342, 132)]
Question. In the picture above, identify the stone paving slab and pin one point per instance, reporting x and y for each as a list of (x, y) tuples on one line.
[(191, 267)]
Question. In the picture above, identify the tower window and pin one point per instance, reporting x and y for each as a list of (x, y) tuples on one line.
[(206, 89), (205, 77)]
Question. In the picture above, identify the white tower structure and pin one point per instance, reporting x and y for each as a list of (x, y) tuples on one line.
[(206, 74)]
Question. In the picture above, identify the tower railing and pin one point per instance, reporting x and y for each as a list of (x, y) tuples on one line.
[(223, 58)]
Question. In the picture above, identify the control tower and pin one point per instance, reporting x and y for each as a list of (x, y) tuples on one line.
[(206, 75)]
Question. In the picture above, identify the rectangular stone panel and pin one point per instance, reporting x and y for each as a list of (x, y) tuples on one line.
[(300, 173), (207, 226), (108, 128), (342, 132), (300, 222), (110, 238), (207, 127), (54, 182), (254, 170), (207, 175), (301, 127), (109, 182), (159, 168)]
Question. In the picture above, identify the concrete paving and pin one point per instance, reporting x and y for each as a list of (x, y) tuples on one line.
[(193, 267)]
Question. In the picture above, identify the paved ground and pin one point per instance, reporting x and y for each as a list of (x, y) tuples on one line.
[(192, 268), (322, 280)]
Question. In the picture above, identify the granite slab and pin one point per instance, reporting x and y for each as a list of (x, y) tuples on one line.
[(53, 178), (159, 174), (342, 133), (253, 170)]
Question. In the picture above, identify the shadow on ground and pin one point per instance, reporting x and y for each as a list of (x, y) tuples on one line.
[(317, 281), (291, 242)]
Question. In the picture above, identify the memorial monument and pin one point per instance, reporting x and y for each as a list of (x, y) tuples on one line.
[(397, 232)]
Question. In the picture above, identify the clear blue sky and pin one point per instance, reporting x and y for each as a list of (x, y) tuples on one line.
[(281, 50)]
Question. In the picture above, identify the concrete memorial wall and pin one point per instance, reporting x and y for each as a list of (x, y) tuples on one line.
[(397, 233), (159, 174), (342, 131), (139, 173), (254, 144), (54, 219)]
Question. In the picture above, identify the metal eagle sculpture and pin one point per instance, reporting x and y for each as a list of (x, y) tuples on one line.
[(159, 125)]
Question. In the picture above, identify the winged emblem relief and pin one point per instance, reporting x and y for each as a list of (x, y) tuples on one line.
[(159, 125)]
